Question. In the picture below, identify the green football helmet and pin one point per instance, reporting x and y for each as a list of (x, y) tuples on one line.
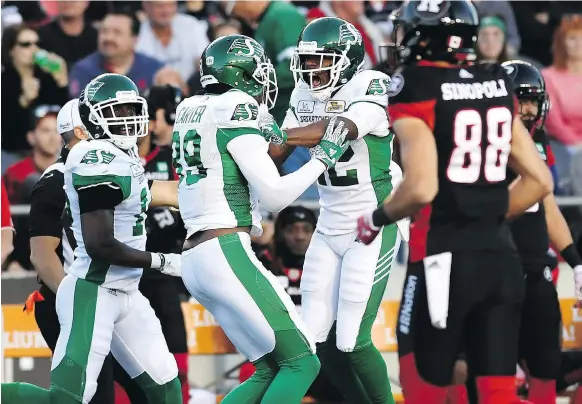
[(239, 62), (340, 49), (112, 109)]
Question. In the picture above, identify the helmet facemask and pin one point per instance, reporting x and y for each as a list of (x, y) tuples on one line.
[(332, 63), (265, 75), (123, 119), (542, 102)]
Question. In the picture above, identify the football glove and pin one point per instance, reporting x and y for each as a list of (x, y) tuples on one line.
[(269, 128), (332, 144), (169, 264), (367, 231)]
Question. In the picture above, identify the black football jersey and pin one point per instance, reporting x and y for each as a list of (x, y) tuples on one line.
[(470, 110), (46, 212), (530, 231)]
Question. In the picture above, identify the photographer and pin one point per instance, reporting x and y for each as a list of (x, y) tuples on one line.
[(166, 234)]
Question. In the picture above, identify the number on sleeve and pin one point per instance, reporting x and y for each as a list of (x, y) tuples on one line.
[(186, 156), (138, 227), (335, 180), (466, 162)]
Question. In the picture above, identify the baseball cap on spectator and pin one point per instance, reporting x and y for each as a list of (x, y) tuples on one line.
[(294, 214), (42, 111), (493, 21), (68, 117)]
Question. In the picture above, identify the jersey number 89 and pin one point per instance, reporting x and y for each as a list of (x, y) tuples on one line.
[(467, 163), (186, 156)]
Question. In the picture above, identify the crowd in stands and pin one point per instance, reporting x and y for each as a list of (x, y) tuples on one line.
[(51, 49)]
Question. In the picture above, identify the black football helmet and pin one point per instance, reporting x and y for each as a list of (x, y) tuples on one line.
[(434, 30), (529, 84)]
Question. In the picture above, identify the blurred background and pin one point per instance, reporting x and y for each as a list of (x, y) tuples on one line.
[(52, 49)]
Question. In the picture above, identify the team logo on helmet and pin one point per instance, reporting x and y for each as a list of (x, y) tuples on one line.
[(510, 70), (245, 47), (92, 89), (348, 34)]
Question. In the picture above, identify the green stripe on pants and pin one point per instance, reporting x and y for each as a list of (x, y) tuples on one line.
[(70, 374), (290, 342)]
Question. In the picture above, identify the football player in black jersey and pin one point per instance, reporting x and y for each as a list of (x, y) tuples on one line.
[(541, 225), (50, 251), (166, 233), (459, 129)]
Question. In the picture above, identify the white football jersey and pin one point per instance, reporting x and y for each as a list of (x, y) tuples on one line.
[(213, 193), (96, 162), (362, 178)]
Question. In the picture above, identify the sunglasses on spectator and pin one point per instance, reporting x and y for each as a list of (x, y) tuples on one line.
[(26, 44)]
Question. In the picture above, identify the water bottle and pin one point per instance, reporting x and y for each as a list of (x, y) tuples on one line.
[(42, 59)]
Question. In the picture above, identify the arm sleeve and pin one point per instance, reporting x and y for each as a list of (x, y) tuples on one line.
[(274, 192), (367, 117), (102, 196), (46, 209)]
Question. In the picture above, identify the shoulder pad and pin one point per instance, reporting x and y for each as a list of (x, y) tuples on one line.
[(368, 86), (96, 157), (369, 82), (407, 86), (236, 108)]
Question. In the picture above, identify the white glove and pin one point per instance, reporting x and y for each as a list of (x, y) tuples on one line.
[(332, 144), (578, 285), (269, 128), (169, 264)]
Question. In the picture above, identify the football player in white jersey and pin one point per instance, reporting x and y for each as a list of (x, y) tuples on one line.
[(343, 280), (220, 150), (98, 303)]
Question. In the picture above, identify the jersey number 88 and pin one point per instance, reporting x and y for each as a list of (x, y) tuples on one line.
[(466, 163)]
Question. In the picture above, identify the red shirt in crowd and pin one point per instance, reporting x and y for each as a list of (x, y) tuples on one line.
[(6, 220), (15, 176)]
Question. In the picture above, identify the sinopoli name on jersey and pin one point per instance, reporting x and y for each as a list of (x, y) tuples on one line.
[(474, 91)]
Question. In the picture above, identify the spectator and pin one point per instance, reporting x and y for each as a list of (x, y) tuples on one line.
[(564, 83), (46, 145), (219, 29), (201, 10), (168, 76), (69, 35), (278, 25), (21, 177), (353, 12), (176, 39), (25, 85), (116, 54), (502, 9), (492, 40)]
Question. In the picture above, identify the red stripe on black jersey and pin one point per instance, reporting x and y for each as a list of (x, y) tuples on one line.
[(419, 229), (423, 110), (551, 158)]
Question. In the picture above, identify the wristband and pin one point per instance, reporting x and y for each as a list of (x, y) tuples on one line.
[(570, 254), (380, 218), (158, 261)]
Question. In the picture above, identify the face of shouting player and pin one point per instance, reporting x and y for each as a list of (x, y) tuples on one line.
[(121, 111), (318, 78)]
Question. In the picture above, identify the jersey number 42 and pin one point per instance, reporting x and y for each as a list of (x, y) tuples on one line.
[(468, 164)]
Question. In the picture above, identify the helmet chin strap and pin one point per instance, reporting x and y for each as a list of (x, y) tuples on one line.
[(322, 95)]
